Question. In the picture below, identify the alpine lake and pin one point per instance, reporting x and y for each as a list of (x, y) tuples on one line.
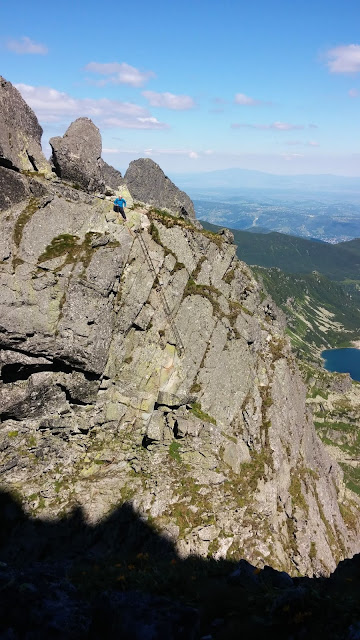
[(343, 361)]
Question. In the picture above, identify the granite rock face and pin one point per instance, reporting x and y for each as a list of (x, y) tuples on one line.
[(77, 155), (20, 133), (148, 183), (142, 362)]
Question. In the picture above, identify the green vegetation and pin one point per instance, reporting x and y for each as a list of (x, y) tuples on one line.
[(68, 246), (295, 490), (154, 232), (169, 221), (293, 254), (319, 312), (24, 217), (229, 276), (351, 477), (197, 411), (206, 291), (59, 246), (316, 284), (174, 451)]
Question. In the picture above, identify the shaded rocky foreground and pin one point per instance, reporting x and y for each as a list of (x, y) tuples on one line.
[(122, 579)]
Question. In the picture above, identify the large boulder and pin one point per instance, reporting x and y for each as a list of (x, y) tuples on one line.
[(77, 155), (20, 133), (148, 183)]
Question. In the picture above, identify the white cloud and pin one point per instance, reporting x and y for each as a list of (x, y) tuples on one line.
[(241, 98), (344, 59), (26, 46), (354, 93), (209, 152), (313, 143), (292, 156), (169, 100), (293, 142), (285, 126), (277, 126), (120, 73), (188, 153), (51, 105)]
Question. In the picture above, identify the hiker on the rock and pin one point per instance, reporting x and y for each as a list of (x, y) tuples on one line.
[(119, 205)]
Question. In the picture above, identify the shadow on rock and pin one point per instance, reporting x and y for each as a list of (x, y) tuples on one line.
[(123, 579)]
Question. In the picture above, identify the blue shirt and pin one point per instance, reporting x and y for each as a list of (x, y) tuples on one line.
[(120, 202)]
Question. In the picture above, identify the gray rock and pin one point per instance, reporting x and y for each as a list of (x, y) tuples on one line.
[(20, 133), (155, 427), (227, 235), (148, 183), (13, 188), (207, 533), (172, 400), (185, 427), (111, 176), (76, 156), (235, 454)]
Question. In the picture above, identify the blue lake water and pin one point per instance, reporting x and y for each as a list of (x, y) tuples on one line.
[(343, 361)]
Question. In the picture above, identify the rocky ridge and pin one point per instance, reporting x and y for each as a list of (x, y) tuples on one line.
[(143, 363), (148, 184)]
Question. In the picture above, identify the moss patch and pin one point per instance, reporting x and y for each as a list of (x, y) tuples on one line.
[(67, 245), (197, 411)]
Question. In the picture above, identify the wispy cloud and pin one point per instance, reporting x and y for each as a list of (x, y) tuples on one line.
[(120, 73), (344, 59), (354, 93), (247, 101), (169, 100), (51, 105), (313, 126), (276, 126), (292, 156), (187, 153), (310, 143), (26, 46)]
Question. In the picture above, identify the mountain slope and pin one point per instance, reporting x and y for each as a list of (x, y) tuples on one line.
[(293, 254), (319, 312), (196, 425)]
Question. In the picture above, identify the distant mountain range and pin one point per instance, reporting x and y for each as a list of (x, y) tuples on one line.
[(249, 179)]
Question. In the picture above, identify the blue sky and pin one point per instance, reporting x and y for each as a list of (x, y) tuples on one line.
[(273, 85)]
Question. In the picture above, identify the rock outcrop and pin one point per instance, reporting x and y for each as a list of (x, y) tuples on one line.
[(111, 176), (77, 155), (20, 133), (142, 362), (148, 184)]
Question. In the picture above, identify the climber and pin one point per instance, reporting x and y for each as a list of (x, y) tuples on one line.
[(119, 205)]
